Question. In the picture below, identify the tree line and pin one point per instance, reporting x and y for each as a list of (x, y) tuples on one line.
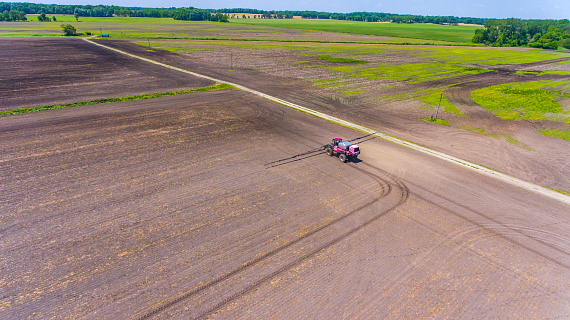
[(109, 11), (358, 16), (12, 15), (545, 34)]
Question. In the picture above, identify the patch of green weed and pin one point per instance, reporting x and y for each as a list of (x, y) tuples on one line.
[(530, 100), (433, 98), (341, 60), (415, 72), (516, 142), (353, 92), (438, 121), (556, 133)]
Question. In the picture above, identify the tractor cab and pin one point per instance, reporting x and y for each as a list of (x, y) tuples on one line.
[(336, 141)]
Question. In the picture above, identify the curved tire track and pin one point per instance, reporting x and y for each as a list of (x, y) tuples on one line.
[(492, 228), (387, 185)]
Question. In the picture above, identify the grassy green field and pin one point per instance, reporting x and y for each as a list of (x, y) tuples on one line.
[(537, 100), (122, 27), (244, 29), (431, 32)]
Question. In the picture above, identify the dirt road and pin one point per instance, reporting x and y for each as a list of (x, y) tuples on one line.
[(165, 209)]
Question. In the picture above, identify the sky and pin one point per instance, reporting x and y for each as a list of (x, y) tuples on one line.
[(523, 9)]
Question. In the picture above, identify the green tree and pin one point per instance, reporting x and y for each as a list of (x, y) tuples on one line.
[(68, 30), (43, 18), (565, 43)]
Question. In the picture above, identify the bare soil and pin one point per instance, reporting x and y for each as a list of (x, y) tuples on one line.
[(166, 209), (44, 71)]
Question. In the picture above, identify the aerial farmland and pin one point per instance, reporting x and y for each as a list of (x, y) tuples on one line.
[(176, 170)]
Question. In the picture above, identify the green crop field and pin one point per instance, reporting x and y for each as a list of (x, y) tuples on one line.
[(126, 27), (529, 100), (243, 29), (431, 32)]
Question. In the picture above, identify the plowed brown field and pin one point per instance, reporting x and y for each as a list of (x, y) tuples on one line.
[(165, 208), (43, 71)]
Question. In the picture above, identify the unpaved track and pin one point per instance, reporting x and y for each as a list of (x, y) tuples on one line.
[(164, 209)]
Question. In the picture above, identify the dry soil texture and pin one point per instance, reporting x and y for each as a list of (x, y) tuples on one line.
[(166, 209), (41, 71)]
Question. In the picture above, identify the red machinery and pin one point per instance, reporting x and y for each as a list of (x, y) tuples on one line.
[(344, 149)]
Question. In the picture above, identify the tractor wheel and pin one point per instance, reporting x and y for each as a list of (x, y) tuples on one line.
[(342, 157), (330, 151)]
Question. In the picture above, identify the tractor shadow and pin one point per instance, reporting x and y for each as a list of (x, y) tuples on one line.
[(357, 160), (310, 154), (368, 139), (294, 160)]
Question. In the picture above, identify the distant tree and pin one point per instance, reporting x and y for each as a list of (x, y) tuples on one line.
[(68, 30), (565, 43), (219, 17), (76, 14), (43, 18), (54, 19)]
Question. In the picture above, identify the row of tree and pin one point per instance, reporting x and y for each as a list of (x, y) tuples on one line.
[(12, 15), (83, 10), (43, 18), (109, 11), (357, 16), (198, 15), (546, 34)]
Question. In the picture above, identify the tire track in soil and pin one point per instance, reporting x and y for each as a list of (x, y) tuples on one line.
[(387, 184), (490, 227), (493, 230)]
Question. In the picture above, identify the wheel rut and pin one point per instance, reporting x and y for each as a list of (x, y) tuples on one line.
[(392, 193)]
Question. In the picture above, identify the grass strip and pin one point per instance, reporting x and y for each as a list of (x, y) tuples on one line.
[(556, 133), (111, 100), (341, 60)]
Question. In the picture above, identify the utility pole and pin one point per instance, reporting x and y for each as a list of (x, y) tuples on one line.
[(231, 60), (437, 111), (149, 48)]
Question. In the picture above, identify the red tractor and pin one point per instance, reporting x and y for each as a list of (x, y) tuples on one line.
[(344, 149)]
